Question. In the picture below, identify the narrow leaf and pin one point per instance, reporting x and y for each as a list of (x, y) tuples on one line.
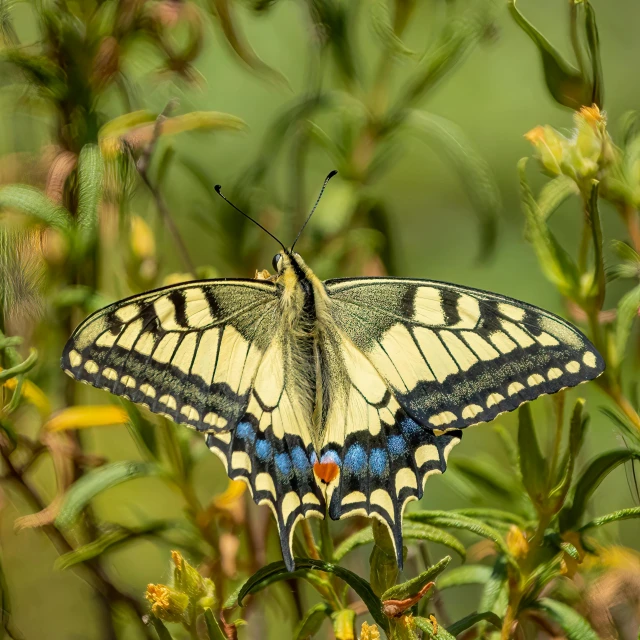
[(312, 621), (110, 541), (588, 482), (440, 633), (571, 622), (213, 628), (90, 172), (87, 416), (161, 630), (593, 44), (473, 618), (94, 482), (123, 124), (473, 171), (554, 193), (623, 514), (565, 83), (465, 574), (412, 587), (493, 595), (532, 463), (34, 203), (627, 313), (598, 287), (410, 531), (555, 262), (457, 521), (358, 584)]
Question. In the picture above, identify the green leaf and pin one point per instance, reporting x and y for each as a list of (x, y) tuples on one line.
[(623, 514), (427, 626), (110, 541), (626, 314), (213, 628), (224, 13), (453, 43), (492, 515), (593, 213), (90, 172), (588, 482), (123, 124), (473, 618), (571, 622), (494, 593), (465, 574), (488, 477), (21, 368), (312, 621), (161, 630), (96, 481), (593, 45), (576, 437), (533, 465), (410, 531), (383, 28), (335, 19), (554, 193), (556, 263), (472, 169), (566, 84), (411, 587), (457, 521), (358, 584), (143, 432), (32, 202)]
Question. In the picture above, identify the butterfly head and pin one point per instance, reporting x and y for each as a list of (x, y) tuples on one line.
[(289, 261)]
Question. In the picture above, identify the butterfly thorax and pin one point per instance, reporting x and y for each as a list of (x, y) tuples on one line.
[(305, 306)]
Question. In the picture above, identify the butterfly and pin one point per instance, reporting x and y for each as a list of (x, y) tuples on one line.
[(338, 397)]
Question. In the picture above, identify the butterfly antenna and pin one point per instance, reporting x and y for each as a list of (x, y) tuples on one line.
[(326, 182), (218, 190)]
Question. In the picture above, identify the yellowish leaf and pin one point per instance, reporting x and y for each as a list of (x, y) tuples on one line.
[(32, 393), (87, 416)]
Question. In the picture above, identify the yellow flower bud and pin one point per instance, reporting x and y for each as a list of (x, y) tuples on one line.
[(143, 244), (550, 147), (517, 542), (188, 580), (167, 603)]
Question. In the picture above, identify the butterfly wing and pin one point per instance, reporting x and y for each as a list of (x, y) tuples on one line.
[(423, 360), (211, 355)]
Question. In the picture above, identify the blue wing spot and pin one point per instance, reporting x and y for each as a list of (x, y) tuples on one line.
[(397, 445), (245, 431), (263, 449), (314, 457), (356, 458), (300, 460), (331, 456), (283, 462), (378, 462), (410, 427)]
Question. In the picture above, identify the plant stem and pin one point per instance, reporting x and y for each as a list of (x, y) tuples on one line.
[(99, 581)]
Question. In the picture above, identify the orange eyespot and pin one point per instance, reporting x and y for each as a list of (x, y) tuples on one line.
[(326, 471)]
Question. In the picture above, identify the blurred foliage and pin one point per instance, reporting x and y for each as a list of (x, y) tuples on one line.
[(70, 230)]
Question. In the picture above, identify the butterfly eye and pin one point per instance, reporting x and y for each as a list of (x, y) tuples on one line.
[(276, 261)]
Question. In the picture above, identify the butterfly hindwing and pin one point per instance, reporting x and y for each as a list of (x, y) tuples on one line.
[(271, 447), (455, 356)]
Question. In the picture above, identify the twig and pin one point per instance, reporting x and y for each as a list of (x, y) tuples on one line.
[(142, 166), (100, 581)]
